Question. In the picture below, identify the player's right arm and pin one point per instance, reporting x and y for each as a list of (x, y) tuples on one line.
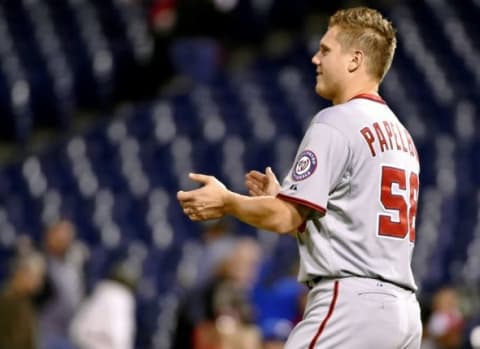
[(214, 200), (266, 212)]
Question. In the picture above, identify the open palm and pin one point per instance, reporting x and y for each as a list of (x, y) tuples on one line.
[(259, 184)]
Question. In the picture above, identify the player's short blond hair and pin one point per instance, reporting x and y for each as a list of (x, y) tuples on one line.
[(368, 30)]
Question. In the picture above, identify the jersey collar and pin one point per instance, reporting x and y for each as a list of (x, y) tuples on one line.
[(371, 97)]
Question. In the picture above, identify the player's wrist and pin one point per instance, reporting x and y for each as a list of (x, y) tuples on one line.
[(276, 189), (228, 201)]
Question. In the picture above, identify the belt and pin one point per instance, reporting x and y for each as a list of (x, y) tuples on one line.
[(315, 280), (312, 282)]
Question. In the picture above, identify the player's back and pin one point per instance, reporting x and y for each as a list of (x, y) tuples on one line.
[(368, 229)]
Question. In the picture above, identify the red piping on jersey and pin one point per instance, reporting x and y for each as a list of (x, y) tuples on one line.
[(371, 97), (325, 320), (302, 202)]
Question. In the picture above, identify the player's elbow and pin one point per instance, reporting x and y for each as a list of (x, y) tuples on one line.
[(283, 225), (286, 219)]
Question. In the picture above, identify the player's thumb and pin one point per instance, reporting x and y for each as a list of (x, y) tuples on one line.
[(270, 174), (198, 177)]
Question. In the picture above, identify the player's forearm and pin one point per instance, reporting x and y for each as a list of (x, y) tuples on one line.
[(264, 212)]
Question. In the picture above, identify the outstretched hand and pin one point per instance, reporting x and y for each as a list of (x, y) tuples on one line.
[(259, 184), (207, 202)]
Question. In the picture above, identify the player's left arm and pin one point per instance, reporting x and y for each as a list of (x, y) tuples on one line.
[(214, 200), (259, 184)]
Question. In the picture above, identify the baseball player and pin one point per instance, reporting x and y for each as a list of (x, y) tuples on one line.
[(350, 199)]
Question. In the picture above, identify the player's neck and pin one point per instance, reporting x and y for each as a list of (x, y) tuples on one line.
[(347, 94)]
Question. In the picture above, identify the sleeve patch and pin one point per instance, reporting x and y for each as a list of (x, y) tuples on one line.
[(305, 165)]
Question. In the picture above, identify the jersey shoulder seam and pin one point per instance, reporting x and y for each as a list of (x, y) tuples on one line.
[(322, 122), (349, 145), (322, 118)]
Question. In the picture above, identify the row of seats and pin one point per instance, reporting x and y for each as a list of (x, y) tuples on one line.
[(58, 57), (118, 180)]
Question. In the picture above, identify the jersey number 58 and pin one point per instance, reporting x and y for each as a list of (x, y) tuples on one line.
[(393, 199)]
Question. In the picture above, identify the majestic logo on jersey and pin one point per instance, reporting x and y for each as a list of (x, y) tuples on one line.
[(305, 166)]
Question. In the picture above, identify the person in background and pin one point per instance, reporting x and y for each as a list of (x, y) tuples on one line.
[(217, 243), (445, 326), (218, 314), (229, 324), (64, 286), (18, 325), (106, 320), (275, 332)]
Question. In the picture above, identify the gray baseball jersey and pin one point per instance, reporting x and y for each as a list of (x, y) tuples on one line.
[(357, 169)]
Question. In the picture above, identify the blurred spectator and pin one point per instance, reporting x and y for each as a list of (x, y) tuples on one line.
[(106, 320), (18, 326), (220, 311), (281, 298), (275, 333), (474, 337), (446, 323), (278, 294), (229, 324), (218, 243), (241, 265), (163, 15), (197, 58), (64, 286), (190, 37)]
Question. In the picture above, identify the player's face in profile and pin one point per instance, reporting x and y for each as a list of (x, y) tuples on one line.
[(331, 62)]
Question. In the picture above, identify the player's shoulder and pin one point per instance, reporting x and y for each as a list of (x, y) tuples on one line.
[(333, 122), (335, 116), (350, 114)]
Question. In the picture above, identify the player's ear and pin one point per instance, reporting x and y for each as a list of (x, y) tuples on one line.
[(356, 60)]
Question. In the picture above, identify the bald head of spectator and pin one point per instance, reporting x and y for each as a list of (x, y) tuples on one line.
[(242, 262), (59, 238)]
